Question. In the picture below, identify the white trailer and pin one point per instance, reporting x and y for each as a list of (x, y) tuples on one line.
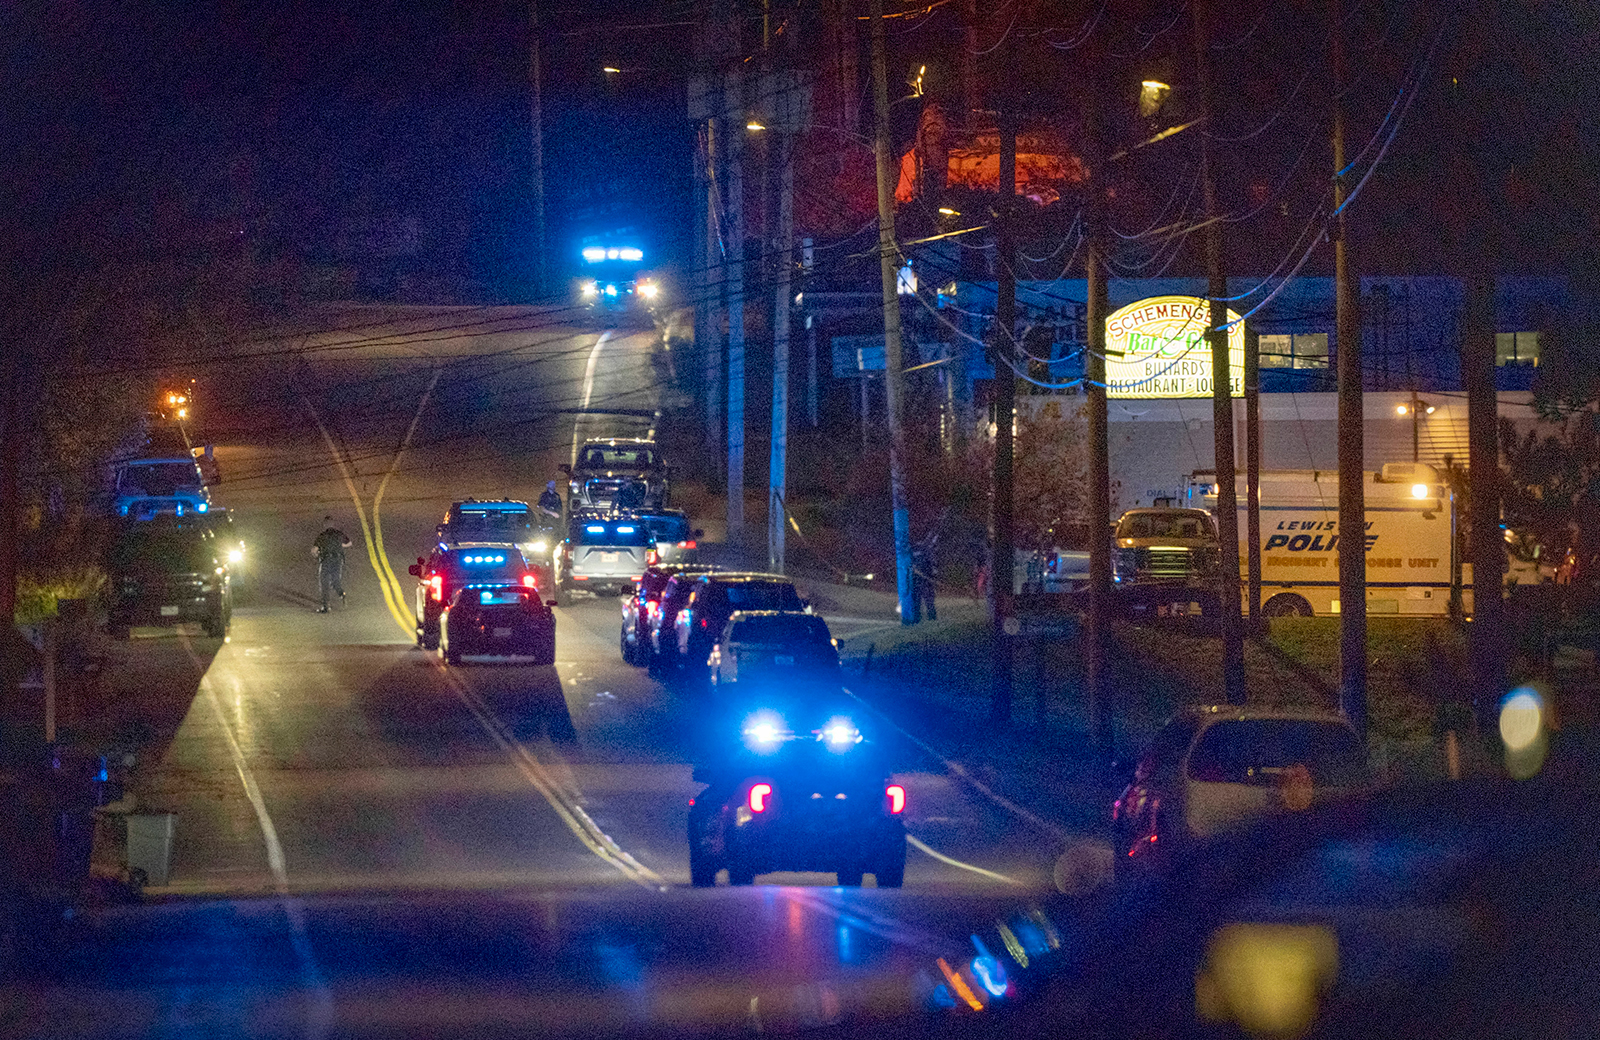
[(1409, 539)]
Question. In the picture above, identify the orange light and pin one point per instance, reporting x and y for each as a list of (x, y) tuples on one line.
[(436, 588), (897, 798), (759, 793)]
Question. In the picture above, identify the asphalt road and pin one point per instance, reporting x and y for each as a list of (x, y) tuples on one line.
[(335, 784)]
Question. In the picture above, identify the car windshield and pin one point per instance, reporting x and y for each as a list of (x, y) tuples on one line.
[(620, 456), (158, 478), (628, 535), (786, 629), (1260, 751), (1165, 525)]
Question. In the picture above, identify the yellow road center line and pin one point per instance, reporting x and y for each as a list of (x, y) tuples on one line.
[(400, 615), (377, 501)]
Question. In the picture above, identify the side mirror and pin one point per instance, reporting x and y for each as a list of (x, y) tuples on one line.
[(551, 603), (415, 570), (700, 775), (699, 532), (566, 468)]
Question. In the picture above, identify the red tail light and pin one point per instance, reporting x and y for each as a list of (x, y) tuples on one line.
[(652, 608), (897, 798), (436, 588), (529, 581), (652, 557), (759, 794), (690, 544)]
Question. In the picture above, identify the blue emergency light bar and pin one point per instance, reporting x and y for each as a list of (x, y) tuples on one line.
[(495, 507), (600, 254), (484, 558)]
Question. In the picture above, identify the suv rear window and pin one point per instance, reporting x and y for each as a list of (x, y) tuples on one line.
[(1170, 525), (763, 595), (478, 526), (611, 533), (668, 528), (786, 628), (1258, 751)]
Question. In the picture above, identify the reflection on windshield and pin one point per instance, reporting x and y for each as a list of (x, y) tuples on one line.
[(1156, 525)]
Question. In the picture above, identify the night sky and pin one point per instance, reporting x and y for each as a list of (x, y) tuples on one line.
[(392, 138)]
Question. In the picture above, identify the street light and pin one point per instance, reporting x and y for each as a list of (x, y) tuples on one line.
[(1417, 408)]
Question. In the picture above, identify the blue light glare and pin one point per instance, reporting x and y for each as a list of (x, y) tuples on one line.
[(202, 507), (595, 529), (625, 530), (988, 970)]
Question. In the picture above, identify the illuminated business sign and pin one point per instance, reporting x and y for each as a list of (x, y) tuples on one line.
[(1158, 348)]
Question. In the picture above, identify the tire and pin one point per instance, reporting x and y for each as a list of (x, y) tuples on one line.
[(850, 878), (739, 874), (1286, 604), (451, 655), (563, 597), (430, 636), (215, 626), (628, 655), (891, 873), (702, 868), (547, 648)]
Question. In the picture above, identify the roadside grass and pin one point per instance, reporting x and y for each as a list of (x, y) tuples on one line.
[(1414, 667)]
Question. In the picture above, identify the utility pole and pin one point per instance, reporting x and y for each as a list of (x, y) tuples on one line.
[(1485, 637), (734, 150), (780, 351), (1096, 309), (1352, 490), (1002, 506), (1221, 384), (541, 263), (709, 309), (892, 375), (1252, 466)]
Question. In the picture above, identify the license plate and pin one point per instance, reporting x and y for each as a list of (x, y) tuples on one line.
[(502, 633), (608, 557), (783, 659), (169, 611)]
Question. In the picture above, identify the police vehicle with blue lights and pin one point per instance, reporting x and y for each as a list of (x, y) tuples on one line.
[(614, 282), (450, 568), (163, 486), (605, 555), (504, 621), (796, 787)]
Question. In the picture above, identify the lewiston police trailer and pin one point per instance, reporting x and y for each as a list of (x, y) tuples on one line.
[(1409, 532)]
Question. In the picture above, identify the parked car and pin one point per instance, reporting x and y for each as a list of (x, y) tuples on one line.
[(676, 540), (165, 572), (714, 599), (497, 621), (1216, 767), (642, 610), (603, 556), (616, 474), (769, 645), (448, 568)]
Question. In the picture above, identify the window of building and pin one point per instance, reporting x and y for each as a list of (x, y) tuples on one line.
[(1297, 350), (1515, 348)]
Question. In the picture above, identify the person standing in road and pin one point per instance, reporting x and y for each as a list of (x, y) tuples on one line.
[(329, 550), (550, 501), (923, 573)]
